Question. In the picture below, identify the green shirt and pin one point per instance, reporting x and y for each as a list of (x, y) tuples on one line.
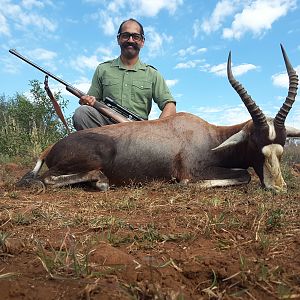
[(133, 88)]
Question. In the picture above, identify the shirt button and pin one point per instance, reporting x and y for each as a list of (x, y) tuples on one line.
[(125, 84)]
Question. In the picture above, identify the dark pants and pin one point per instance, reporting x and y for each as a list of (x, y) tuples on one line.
[(88, 117)]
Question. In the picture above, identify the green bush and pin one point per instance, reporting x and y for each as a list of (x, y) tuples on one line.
[(29, 123), (292, 151)]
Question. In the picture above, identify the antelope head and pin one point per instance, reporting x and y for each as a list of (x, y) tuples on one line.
[(265, 137)]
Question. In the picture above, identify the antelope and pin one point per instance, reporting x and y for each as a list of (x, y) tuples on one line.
[(182, 147)]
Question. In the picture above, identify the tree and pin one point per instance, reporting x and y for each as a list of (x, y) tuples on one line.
[(30, 123)]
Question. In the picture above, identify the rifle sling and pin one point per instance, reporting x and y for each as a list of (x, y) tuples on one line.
[(55, 104)]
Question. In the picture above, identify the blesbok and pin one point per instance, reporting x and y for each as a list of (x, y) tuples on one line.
[(182, 147)]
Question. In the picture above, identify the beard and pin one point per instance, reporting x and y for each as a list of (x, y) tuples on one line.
[(130, 50)]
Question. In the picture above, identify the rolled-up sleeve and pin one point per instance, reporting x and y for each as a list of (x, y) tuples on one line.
[(161, 93)]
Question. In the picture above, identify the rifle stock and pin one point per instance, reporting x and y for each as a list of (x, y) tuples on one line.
[(109, 112)]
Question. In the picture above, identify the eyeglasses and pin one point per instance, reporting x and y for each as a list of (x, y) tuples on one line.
[(125, 36)]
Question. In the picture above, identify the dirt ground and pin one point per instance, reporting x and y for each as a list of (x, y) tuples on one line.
[(158, 241)]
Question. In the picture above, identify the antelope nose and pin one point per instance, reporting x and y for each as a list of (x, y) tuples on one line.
[(278, 188)]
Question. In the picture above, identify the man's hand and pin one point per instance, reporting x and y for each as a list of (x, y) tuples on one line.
[(87, 100)]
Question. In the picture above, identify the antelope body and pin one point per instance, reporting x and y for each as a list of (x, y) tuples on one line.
[(182, 147)]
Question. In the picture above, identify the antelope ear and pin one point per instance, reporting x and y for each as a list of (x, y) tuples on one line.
[(292, 132), (232, 141)]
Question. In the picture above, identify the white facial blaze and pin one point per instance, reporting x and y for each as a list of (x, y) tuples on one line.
[(272, 172), (272, 132)]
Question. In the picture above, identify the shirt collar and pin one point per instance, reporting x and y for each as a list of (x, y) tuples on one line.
[(138, 65)]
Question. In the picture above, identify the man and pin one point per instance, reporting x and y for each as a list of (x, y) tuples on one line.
[(127, 80)]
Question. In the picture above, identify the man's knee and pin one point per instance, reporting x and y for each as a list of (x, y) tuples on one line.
[(81, 115), (88, 117)]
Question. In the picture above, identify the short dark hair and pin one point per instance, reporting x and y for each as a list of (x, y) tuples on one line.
[(133, 20)]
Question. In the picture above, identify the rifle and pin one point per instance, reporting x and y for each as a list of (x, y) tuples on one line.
[(109, 108), (121, 109)]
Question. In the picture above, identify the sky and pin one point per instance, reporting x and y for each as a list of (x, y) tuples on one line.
[(188, 41)]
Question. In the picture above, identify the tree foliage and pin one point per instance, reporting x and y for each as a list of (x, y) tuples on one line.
[(29, 123)]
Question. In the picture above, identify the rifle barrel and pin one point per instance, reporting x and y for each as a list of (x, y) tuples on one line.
[(69, 87), (16, 53)]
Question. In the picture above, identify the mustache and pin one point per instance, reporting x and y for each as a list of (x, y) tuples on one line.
[(127, 44)]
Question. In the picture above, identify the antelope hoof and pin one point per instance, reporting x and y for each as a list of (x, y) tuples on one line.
[(27, 180), (184, 182), (102, 186)]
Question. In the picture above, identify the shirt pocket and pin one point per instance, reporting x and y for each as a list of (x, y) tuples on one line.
[(142, 90), (111, 88)]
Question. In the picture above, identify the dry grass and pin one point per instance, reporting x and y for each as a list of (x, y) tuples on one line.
[(150, 242)]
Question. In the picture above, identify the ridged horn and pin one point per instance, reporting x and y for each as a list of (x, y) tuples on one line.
[(290, 99), (257, 115)]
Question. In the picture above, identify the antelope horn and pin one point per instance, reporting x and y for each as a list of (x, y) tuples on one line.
[(290, 99), (257, 115)]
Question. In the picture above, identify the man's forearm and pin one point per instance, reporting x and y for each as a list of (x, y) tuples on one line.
[(169, 109)]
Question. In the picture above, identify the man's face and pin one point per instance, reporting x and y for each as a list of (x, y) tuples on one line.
[(130, 40)]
